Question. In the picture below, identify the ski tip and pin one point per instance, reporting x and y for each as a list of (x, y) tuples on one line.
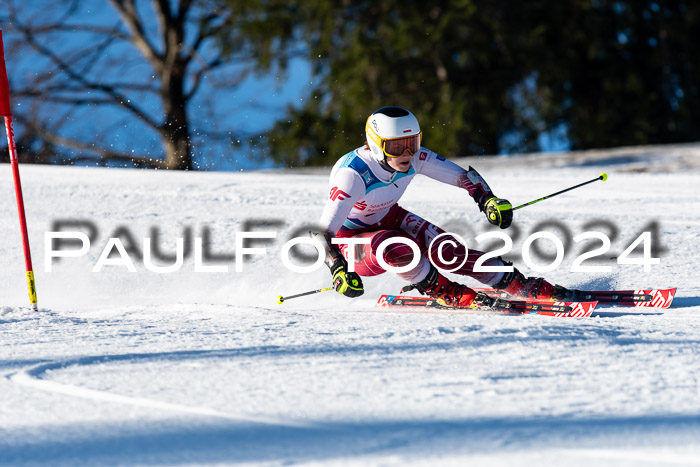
[(280, 299), (603, 176)]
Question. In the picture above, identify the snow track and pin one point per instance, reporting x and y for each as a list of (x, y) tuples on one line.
[(121, 368), (34, 378)]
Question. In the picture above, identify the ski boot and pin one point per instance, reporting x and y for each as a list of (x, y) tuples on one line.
[(517, 285), (446, 292)]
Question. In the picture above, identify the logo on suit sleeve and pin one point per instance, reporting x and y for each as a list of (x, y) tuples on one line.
[(337, 194), (410, 219), (423, 155)]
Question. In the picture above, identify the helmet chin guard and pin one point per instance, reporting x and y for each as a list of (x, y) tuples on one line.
[(391, 132)]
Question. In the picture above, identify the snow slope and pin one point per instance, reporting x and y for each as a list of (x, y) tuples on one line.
[(204, 368)]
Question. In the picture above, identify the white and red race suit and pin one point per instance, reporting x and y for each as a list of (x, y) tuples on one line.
[(362, 202)]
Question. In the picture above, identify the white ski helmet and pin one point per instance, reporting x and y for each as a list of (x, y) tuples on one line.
[(391, 131)]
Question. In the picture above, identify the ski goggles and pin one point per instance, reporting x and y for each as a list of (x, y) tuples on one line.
[(397, 147)]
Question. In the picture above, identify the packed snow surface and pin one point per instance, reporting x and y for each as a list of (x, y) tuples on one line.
[(197, 367)]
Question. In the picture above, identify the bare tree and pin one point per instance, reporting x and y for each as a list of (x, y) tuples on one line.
[(144, 63)]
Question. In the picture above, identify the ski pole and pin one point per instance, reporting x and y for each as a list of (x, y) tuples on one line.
[(281, 299), (6, 112), (602, 177)]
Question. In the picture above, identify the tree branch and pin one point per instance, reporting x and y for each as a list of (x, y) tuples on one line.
[(32, 91), (127, 11), (183, 10), (95, 55), (94, 29), (172, 35), (197, 78), (103, 153), (116, 96)]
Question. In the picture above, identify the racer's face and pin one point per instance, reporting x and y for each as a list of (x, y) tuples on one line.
[(401, 163)]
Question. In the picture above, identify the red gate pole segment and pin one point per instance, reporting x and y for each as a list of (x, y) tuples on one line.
[(6, 111)]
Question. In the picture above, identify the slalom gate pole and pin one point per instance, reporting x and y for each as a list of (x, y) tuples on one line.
[(281, 299), (602, 177), (6, 111)]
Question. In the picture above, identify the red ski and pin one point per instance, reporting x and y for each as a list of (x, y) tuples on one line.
[(558, 309), (656, 298)]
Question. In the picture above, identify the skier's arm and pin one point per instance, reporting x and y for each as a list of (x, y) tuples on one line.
[(498, 211), (347, 187)]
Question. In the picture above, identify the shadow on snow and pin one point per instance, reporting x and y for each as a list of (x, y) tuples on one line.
[(181, 441)]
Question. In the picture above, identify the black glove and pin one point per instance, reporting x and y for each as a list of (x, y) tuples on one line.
[(347, 283), (498, 211)]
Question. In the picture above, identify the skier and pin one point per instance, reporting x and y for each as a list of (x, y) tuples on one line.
[(365, 186)]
